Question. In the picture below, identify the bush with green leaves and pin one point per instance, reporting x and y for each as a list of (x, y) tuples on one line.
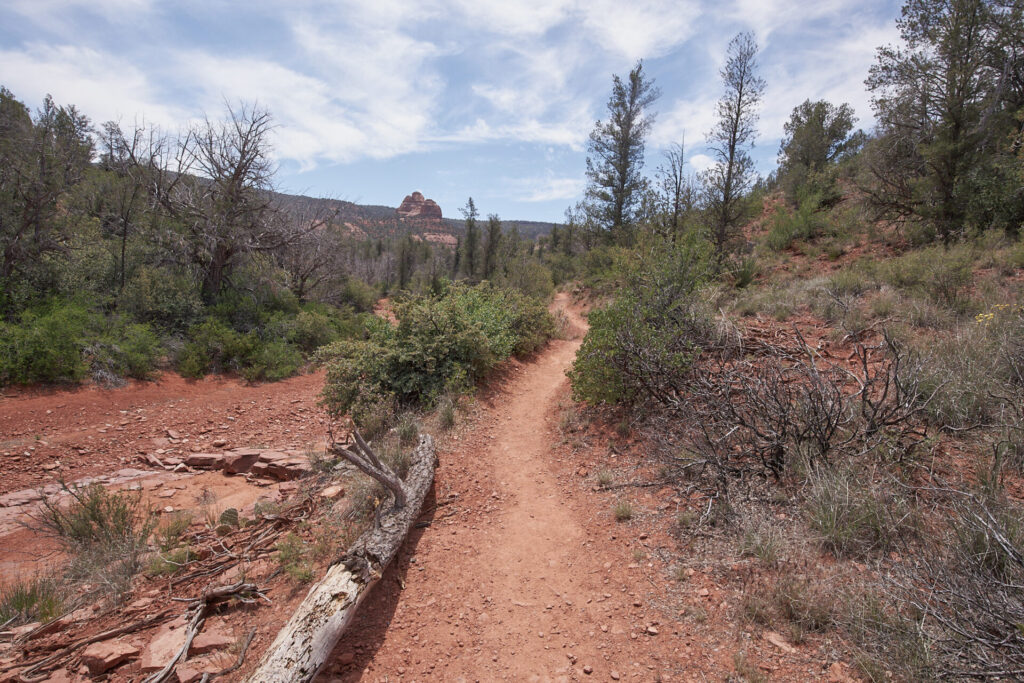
[(267, 337), (643, 343), (104, 532), (805, 221), (272, 361), (132, 350), (938, 272), (441, 343), (45, 345), (66, 342), (161, 297), (214, 346)]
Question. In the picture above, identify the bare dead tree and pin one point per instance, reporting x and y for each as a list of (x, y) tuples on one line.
[(303, 645), (127, 156), (216, 181), (312, 261), (677, 190)]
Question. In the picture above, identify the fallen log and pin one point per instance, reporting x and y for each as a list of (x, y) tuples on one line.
[(306, 641)]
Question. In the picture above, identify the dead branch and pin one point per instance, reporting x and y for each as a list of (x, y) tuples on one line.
[(304, 644)]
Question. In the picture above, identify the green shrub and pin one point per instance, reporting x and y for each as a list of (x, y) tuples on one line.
[(744, 271), (140, 350), (446, 412), (642, 345), (854, 519), (408, 430), (162, 297), (623, 511), (35, 599), (938, 272), (214, 347), (128, 351), (170, 561), (361, 296), (440, 344), (96, 517), (292, 555), (272, 361), (168, 535), (761, 541), (309, 330), (46, 345), (105, 533), (804, 222)]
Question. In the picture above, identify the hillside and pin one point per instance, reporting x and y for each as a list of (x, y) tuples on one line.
[(373, 221)]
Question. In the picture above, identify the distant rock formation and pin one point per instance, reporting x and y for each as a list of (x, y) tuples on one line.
[(415, 206)]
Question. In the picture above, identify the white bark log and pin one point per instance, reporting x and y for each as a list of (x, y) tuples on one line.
[(306, 641)]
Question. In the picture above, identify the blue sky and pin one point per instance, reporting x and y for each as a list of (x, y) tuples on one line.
[(455, 98)]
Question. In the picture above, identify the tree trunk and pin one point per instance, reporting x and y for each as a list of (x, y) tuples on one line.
[(306, 641)]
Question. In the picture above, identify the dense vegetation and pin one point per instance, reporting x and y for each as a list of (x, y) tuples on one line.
[(125, 251), (900, 243), (441, 345)]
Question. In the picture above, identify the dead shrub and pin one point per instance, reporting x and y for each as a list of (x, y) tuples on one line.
[(966, 593)]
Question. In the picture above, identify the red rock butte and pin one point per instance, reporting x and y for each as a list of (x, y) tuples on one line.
[(415, 206)]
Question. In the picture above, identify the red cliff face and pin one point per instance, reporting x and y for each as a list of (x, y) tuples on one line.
[(415, 206)]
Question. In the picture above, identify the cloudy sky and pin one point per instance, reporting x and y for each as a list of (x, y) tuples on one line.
[(457, 98)]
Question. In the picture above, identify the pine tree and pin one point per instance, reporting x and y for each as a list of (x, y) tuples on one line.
[(472, 244), (492, 244), (615, 154), (726, 183)]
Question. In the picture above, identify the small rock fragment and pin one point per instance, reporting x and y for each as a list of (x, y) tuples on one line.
[(105, 655)]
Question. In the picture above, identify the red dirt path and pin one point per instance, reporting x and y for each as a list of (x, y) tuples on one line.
[(514, 579)]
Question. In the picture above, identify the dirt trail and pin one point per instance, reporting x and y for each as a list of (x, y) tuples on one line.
[(510, 580)]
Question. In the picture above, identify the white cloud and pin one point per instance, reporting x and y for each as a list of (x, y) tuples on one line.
[(348, 80), (515, 17), (700, 162), (102, 86), (642, 28), (690, 118), (547, 188)]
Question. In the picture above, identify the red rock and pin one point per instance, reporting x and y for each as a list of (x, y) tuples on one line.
[(208, 641), (205, 461), (837, 674), (162, 648), (188, 674), (277, 465), (240, 460), (332, 493), (150, 459), (778, 641), (105, 655), (415, 206)]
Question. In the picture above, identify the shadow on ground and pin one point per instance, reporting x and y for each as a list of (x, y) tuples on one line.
[(370, 625)]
